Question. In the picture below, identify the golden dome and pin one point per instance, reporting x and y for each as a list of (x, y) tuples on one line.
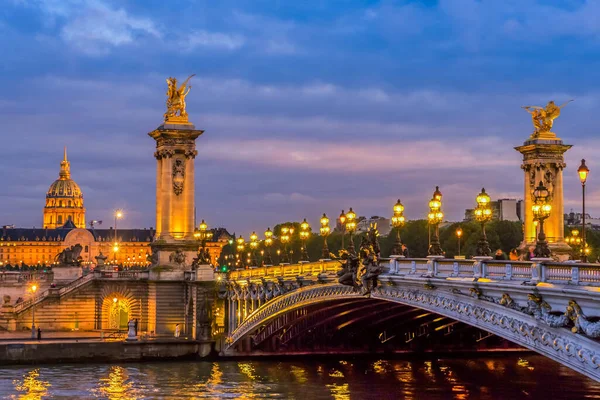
[(64, 186)]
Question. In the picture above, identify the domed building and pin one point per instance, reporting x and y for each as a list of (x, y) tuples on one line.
[(65, 226), (64, 200)]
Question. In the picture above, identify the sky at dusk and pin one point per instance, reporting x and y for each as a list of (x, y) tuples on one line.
[(307, 106)]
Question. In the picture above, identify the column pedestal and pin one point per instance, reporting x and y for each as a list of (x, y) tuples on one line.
[(543, 161)]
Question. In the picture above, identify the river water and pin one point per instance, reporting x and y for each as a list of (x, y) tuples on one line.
[(506, 377)]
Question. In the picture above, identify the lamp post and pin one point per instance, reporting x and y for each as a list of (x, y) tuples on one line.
[(483, 214), (541, 210), (253, 247), (267, 260), (351, 227), (285, 239), (203, 234), (574, 240), (435, 217), (342, 219), (33, 290), (241, 245), (304, 234), (118, 216), (583, 171), (397, 223), (459, 233), (325, 232)]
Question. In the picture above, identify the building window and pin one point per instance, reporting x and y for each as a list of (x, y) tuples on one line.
[(85, 249), (59, 219)]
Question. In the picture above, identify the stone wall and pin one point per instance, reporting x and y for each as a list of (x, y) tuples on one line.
[(34, 353)]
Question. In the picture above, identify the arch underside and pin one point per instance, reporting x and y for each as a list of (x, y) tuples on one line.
[(323, 316)]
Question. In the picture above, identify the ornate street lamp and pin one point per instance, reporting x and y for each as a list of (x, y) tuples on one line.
[(459, 233), (342, 219), (574, 240), (397, 223), (483, 214), (241, 245), (253, 247), (202, 234), (351, 227), (267, 260), (435, 217), (583, 171), (285, 239), (118, 216), (325, 232), (33, 289), (541, 210), (304, 234)]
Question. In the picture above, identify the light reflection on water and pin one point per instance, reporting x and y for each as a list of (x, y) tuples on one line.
[(523, 377)]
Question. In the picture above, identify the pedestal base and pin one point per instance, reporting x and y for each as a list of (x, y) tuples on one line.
[(177, 254), (560, 250)]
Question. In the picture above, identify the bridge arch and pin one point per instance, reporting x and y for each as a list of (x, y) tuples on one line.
[(559, 344)]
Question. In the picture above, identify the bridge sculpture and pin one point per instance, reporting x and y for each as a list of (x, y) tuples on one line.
[(540, 305)]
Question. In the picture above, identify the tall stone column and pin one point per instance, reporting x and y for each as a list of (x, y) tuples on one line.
[(543, 161), (174, 244)]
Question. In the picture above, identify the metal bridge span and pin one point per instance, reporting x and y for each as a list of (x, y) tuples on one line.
[(548, 307)]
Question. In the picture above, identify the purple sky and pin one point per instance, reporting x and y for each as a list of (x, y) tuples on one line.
[(308, 108)]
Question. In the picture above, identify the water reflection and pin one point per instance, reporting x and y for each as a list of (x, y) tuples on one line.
[(117, 386), (348, 378), (339, 392), (31, 386)]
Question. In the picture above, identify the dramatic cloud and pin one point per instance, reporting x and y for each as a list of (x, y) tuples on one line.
[(307, 108)]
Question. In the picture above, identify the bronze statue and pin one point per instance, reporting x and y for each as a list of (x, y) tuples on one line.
[(543, 118), (176, 98), (350, 265), (70, 255)]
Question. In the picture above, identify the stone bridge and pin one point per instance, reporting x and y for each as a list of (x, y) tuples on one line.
[(551, 308)]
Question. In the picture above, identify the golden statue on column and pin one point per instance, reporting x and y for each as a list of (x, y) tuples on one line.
[(543, 161), (543, 118), (176, 100)]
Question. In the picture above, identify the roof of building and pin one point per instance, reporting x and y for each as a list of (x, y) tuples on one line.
[(64, 186), (39, 234), (125, 235)]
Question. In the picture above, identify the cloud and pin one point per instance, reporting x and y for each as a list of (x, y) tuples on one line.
[(94, 27), (214, 40), (362, 156)]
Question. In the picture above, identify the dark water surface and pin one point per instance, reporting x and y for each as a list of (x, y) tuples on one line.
[(506, 377)]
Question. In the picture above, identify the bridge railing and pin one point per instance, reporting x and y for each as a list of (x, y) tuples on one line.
[(128, 275), (286, 271), (18, 277), (497, 270), (536, 271)]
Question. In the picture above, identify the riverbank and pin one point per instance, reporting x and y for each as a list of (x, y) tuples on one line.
[(93, 350)]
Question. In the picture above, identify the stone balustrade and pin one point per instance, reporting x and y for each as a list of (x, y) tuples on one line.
[(568, 273), (19, 277), (286, 270)]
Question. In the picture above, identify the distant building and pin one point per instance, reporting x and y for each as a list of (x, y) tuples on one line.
[(64, 226), (363, 224), (502, 210), (383, 224), (576, 219)]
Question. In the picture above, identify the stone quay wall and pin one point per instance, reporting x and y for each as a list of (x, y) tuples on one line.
[(78, 352)]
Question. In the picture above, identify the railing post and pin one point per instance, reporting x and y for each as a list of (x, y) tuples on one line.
[(413, 267), (393, 266), (537, 271), (508, 272), (477, 269), (455, 268), (575, 275)]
